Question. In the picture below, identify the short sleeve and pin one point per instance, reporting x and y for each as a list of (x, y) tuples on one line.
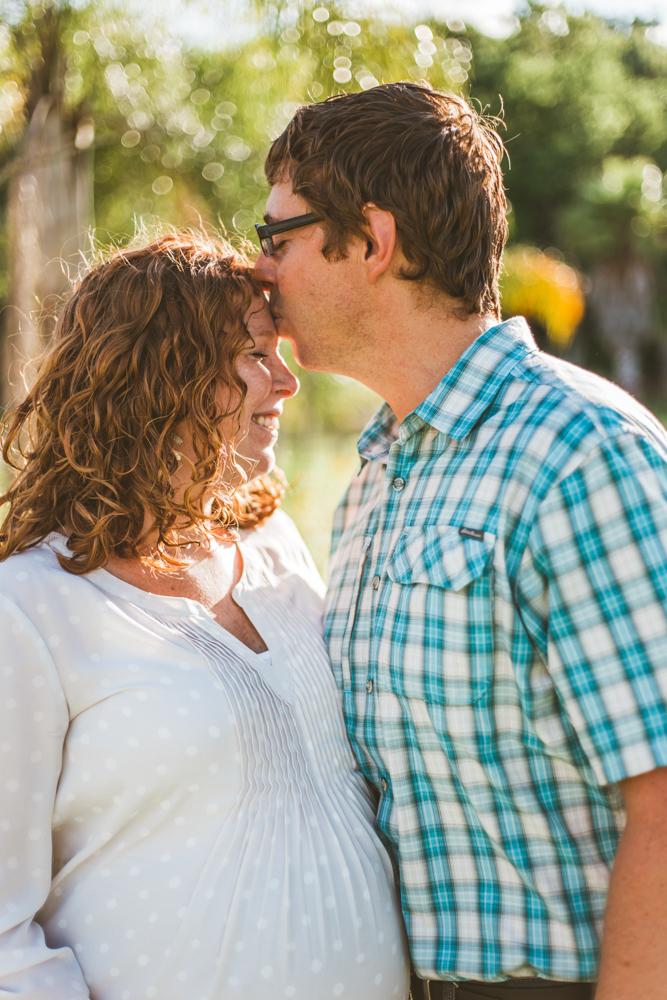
[(33, 723), (592, 589)]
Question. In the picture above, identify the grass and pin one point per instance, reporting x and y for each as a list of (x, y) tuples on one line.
[(319, 467)]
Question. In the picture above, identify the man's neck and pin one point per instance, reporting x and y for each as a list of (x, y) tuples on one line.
[(407, 357)]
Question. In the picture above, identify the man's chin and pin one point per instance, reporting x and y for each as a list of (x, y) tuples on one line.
[(304, 356), (299, 349), (309, 360)]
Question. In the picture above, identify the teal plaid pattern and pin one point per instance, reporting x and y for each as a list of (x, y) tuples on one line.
[(497, 624)]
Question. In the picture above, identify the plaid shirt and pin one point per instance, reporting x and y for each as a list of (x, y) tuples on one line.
[(497, 624)]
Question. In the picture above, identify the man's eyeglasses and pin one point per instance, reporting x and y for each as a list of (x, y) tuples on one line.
[(266, 233)]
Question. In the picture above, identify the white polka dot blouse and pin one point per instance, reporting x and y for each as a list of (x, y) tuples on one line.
[(179, 816)]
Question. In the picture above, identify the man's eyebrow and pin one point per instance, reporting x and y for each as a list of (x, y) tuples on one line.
[(270, 219)]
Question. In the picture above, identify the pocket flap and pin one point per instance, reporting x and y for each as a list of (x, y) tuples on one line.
[(440, 556)]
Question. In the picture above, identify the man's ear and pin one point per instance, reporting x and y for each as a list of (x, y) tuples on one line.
[(381, 241)]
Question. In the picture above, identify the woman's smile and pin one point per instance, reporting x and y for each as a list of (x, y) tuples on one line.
[(267, 421)]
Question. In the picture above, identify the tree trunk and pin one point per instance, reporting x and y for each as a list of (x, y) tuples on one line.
[(50, 210), (622, 303)]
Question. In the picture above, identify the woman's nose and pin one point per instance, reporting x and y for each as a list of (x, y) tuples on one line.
[(285, 383)]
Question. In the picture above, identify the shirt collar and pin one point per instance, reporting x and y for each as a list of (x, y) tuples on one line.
[(466, 392)]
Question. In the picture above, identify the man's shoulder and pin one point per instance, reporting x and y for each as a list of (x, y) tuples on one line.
[(562, 404), (543, 418)]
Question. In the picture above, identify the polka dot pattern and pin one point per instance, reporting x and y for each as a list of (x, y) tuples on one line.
[(212, 833)]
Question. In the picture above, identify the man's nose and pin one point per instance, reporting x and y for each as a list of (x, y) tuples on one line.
[(264, 271)]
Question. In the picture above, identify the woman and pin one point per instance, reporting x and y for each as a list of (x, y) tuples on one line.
[(181, 813)]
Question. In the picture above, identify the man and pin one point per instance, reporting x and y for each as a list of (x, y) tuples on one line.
[(496, 612)]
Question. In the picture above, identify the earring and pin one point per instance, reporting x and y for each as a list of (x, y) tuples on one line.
[(177, 440)]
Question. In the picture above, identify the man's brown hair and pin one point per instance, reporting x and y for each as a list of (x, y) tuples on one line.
[(426, 157)]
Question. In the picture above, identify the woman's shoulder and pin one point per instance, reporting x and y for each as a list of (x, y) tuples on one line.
[(280, 544), (28, 565), (35, 576)]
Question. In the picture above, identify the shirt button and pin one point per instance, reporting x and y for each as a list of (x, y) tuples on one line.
[(384, 784), (398, 484), (376, 582), (369, 685)]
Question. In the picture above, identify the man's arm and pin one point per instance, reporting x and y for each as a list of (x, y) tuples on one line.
[(593, 595), (634, 951)]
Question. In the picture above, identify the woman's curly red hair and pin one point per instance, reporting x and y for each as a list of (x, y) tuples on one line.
[(143, 344)]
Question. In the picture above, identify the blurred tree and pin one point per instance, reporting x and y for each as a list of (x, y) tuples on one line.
[(77, 80), (575, 90), (50, 181), (586, 112), (617, 225)]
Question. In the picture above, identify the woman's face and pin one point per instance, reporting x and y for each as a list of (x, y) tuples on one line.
[(269, 383)]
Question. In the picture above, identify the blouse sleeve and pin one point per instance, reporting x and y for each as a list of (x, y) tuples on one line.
[(33, 723)]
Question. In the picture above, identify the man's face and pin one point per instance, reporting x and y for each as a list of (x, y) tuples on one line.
[(315, 302)]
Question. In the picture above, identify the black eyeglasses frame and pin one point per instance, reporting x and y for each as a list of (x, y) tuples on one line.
[(267, 232)]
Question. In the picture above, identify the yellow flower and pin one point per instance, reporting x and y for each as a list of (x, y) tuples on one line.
[(539, 286)]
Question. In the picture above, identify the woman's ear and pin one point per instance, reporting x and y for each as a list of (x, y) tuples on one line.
[(381, 242)]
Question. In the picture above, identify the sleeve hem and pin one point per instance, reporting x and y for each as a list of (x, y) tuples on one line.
[(631, 761)]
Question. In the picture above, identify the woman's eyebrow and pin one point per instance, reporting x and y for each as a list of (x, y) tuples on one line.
[(264, 331)]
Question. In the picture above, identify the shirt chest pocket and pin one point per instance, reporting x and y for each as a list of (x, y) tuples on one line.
[(437, 639)]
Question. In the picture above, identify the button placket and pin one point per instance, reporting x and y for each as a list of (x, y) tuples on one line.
[(361, 597), (389, 512)]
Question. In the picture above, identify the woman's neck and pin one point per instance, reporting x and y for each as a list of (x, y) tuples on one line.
[(212, 568)]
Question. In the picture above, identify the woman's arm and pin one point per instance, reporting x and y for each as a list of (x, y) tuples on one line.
[(33, 723)]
